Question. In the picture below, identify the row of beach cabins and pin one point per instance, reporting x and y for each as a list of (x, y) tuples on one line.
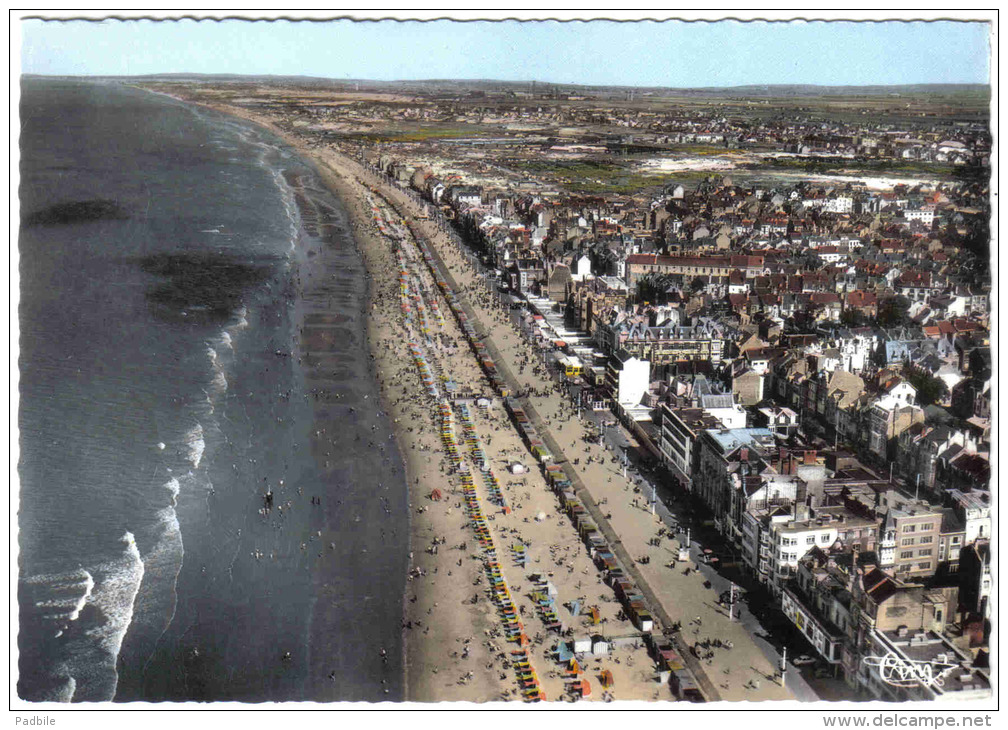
[(412, 300), (514, 630)]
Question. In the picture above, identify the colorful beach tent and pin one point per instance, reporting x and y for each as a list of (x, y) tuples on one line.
[(564, 654)]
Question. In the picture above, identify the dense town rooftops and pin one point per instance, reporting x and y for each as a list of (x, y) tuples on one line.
[(659, 260)]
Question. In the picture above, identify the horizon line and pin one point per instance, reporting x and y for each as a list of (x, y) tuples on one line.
[(335, 79)]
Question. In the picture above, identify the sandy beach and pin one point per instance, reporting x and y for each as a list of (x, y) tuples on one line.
[(742, 674), (453, 644), (358, 370), (454, 647)]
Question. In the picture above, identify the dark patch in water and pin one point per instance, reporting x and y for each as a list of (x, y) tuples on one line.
[(202, 287), (78, 211)]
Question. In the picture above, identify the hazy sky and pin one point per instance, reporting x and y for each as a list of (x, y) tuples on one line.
[(671, 53)]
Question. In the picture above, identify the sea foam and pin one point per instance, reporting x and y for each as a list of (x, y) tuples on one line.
[(219, 381), (290, 207), (115, 594), (172, 485), (111, 587), (195, 445), (157, 599), (66, 604)]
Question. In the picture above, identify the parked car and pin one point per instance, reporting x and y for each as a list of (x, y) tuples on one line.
[(803, 660)]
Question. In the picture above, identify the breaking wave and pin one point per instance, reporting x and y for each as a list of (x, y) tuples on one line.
[(90, 623), (172, 485), (65, 605), (195, 445)]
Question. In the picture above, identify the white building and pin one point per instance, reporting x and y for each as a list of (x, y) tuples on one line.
[(924, 214), (826, 527), (856, 350), (976, 515), (757, 541), (839, 204), (733, 416), (629, 378), (900, 395), (790, 541), (832, 254)]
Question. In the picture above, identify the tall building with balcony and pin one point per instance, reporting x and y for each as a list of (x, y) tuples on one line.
[(909, 546), (725, 457), (757, 537), (681, 428), (828, 529)]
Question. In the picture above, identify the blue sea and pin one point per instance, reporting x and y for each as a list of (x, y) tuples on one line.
[(192, 340)]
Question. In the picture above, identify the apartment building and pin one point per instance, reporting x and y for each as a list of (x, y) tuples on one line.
[(662, 345), (825, 528), (627, 378), (637, 265), (724, 457), (680, 430), (911, 534)]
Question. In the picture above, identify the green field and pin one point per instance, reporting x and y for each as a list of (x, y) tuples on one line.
[(821, 165)]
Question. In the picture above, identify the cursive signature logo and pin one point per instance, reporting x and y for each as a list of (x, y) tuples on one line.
[(903, 673)]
